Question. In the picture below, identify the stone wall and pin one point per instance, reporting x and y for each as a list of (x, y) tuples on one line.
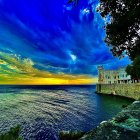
[(126, 90)]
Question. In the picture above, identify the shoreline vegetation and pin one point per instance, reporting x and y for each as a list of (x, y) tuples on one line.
[(12, 134), (124, 125)]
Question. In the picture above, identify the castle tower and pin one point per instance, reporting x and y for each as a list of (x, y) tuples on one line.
[(100, 74)]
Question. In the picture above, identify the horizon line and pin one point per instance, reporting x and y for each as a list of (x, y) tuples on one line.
[(46, 84)]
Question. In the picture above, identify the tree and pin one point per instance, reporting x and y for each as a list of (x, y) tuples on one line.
[(134, 68), (123, 30)]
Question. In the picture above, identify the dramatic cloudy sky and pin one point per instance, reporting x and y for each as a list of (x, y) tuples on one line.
[(50, 42)]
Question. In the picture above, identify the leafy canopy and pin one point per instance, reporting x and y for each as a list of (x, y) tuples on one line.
[(134, 68), (123, 30)]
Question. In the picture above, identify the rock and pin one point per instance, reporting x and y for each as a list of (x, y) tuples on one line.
[(103, 122), (113, 93), (124, 126), (136, 102), (121, 118), (124, 106), (70, 135)]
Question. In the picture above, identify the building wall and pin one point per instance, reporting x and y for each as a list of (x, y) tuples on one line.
[(123, 75), (126, 90), (113, 76)]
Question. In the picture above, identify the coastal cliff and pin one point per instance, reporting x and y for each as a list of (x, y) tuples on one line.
[(125, 125)]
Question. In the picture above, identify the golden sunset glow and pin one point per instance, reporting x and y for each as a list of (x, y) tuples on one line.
[(13, 70)]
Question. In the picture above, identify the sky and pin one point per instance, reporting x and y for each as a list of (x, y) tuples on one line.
[(51, 42)]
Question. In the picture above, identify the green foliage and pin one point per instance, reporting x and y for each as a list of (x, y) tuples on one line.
[(13, 134), (130, 71), (70, 135), (134, 68), (123, 29)]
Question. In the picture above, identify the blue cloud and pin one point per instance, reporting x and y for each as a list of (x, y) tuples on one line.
[(55, 36)]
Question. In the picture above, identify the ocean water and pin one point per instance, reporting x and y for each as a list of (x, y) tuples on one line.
[(44, 111)]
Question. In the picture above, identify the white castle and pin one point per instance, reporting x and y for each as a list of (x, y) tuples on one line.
[(118, 76)]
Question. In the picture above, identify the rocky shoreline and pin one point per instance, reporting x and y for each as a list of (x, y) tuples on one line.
[(124, 126)]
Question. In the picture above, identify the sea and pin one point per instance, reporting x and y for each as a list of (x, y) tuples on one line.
[(44, 111)]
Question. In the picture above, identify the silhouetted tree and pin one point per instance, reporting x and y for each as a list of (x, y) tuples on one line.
[(134, 68), (123, 30)]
